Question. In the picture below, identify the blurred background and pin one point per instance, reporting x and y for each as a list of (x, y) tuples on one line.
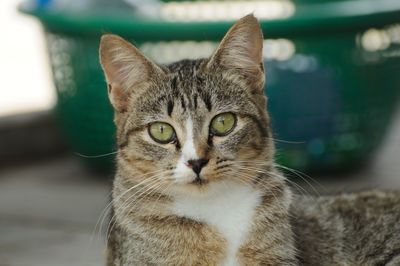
[(332, 80)]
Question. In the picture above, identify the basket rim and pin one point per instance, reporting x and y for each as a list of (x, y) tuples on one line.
[(308, 19)]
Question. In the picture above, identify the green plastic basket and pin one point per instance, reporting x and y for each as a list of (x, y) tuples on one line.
[(332, 75)]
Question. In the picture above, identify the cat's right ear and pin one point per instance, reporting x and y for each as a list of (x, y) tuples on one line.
[(240, 52), (125, 68)]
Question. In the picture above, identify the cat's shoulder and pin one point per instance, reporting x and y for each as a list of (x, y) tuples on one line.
[(368, 199), (347, 229)]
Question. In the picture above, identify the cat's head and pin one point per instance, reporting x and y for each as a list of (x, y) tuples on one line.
[(192, 123)]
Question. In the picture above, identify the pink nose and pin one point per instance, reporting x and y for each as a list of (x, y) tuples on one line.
[(197, 165)]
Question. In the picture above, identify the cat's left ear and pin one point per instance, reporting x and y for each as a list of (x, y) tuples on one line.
[(126, 69), (240, 52)]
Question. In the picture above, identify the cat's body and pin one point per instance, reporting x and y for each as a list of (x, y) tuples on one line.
[(237, 226), (196, 183), (351, 229)]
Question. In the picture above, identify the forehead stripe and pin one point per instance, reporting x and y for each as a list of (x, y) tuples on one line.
[(183, 103), (207, 101), (195, 101), (170, 107)]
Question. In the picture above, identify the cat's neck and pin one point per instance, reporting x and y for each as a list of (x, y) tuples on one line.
[(229, 208)]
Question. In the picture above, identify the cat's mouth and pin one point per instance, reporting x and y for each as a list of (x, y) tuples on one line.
[(199, 181)]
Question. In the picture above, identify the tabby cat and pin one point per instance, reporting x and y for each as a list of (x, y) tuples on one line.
[(196, 181)]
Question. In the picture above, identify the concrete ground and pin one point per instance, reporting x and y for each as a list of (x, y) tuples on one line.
[(48, 210)]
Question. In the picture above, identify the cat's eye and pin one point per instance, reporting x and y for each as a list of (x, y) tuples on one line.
[(223, 124), (161, 132)]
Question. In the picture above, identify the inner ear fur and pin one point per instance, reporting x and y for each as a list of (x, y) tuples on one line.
[(240, 52), (125, 69)]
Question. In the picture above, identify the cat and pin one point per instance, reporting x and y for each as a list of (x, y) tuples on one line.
[(196, 181)]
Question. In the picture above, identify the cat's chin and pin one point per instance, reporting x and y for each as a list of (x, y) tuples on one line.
[(199, 181), (193, 181), (203, 187)]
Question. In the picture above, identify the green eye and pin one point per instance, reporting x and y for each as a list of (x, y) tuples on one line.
[(161, 132), (223, 124)]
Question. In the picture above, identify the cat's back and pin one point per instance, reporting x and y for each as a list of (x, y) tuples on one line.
[(349, 229)]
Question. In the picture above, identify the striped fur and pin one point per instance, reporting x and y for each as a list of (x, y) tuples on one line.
[(242, 213)]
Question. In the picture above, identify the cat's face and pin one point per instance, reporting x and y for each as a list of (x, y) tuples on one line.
[(193, 123)]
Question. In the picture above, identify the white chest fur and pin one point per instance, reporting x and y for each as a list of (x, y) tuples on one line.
[(229, 208)]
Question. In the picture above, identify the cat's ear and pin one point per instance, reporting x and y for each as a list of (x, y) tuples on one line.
[(125, 68), (240, 51)]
